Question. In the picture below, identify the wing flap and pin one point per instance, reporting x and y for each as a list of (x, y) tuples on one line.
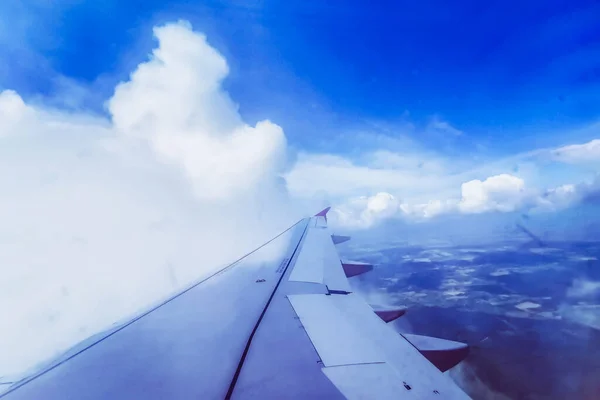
[(333, 335), (413, 368), (369, 381), (346, 332), (334, 276)]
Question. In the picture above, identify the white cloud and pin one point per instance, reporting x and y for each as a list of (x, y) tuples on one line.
[(497, 193), (176, 104), (500, 193), (367, 211), (581, 306), (102, 217), (13, 112), (430, 184), (342, 178), (383, 204), (578, 153), (415, 175), (430, 209), (560, 197), (364, 212), (584, 288), (565, 196), (444, 127), (423, 178)]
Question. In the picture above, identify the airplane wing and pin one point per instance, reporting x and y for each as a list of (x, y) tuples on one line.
[(280, 323)]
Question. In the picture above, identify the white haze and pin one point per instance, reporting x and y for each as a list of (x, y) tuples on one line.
[(102, 217)]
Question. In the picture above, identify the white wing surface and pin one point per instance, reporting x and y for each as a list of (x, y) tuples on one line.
[(281, 323)]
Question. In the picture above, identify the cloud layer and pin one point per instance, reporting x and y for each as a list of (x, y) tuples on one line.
[(502, 193), (579, 153), (102, 217)]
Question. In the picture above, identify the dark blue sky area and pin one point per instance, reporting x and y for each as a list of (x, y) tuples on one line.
[(489, 68)]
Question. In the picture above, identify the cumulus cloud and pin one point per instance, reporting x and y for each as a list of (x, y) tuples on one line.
[(176, 104), (102, 217), (502, 193), (364, 212), (497, 193), (367, 211)]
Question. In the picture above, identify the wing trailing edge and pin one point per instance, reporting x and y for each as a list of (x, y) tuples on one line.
[(388, 314), (337, 239), (353, 268)]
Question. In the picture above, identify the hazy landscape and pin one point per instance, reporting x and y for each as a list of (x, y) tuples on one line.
[(530, 313)]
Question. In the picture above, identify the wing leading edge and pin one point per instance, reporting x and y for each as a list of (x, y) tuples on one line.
[(188, 346), (282, 322)]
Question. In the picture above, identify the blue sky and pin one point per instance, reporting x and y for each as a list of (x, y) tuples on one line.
[(414, 98), (509, 74)]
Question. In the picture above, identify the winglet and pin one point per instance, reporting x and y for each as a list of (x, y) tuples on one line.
[(323, 213)]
